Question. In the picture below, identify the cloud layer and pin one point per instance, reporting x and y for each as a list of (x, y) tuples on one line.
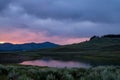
[(60, 21)]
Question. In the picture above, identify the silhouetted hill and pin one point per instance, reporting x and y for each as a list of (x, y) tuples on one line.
[(26, 46), (96, 43)]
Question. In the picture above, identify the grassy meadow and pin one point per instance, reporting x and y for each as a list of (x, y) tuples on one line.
[(16, 72)]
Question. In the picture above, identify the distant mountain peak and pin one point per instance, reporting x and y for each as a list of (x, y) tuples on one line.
[(6, 44), (48, 43), (26, 46)]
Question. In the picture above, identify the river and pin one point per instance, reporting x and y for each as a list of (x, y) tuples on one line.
[(56, 63)]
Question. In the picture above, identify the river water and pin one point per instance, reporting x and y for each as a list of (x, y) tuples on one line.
[(56, 63)]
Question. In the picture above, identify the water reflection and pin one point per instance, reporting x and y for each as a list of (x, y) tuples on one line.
[(56, 63)]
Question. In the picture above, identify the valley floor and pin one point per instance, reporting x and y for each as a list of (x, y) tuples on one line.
[(112, 58)]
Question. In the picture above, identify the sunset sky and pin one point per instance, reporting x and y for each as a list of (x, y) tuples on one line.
[(58, 21)]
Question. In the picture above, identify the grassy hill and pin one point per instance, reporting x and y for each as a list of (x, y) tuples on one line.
[(96, 44)]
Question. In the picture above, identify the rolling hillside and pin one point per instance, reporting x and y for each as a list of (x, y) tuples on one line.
[(104, 43), (105, 49)]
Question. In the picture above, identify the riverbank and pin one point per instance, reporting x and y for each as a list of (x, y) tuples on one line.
[(95, 58)]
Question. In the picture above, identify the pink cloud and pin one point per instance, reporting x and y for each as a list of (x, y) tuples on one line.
[(26, 36)]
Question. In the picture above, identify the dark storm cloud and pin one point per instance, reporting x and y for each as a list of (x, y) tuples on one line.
[(93, 10), (64, 18), (4, 4)]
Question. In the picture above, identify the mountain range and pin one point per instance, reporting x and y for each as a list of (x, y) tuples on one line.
[(26, 46), (99, 50)]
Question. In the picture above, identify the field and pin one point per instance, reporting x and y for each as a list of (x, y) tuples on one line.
[(16, 72), (101, 58)]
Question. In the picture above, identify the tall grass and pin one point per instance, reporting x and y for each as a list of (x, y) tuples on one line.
[(44, 73)]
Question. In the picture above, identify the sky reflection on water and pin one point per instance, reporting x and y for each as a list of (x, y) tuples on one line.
[(56, 63)]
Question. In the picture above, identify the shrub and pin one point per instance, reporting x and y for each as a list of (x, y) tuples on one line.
[(37, 73)]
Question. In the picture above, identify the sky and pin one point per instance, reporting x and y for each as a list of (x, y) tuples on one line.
[(58, 21)]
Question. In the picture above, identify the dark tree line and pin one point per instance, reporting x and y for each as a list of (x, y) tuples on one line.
[(106, 36), (111, 36)]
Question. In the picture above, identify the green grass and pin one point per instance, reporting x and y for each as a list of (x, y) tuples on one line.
[(17, 72)]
